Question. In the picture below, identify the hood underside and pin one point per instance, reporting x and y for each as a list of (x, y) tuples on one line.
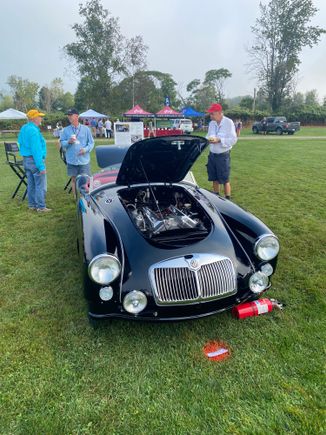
[(160, 160)]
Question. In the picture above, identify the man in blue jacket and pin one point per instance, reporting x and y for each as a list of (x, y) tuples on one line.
[(33, 149), (77, 142)]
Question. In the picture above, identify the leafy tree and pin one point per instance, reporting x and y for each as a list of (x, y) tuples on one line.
[(210, 90), (24, 92), (53, 98), (297, 100), (64, 102), (97, 54), (145, 93), (216, 79), (86, 94), (45, 99), (247, 102), (135, 59), (193, 86), (311, 98), (165, 86), (6, 101), (280, 34), (102, 55), (262, 101), (204, 97), (97, 50)]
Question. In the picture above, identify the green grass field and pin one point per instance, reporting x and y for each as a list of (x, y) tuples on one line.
[(304, 131), (59, 376)]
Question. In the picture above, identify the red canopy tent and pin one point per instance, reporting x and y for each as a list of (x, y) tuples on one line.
[(138, 112), (168, 112)]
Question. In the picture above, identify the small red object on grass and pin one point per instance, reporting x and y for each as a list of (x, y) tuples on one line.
[(216, 350)]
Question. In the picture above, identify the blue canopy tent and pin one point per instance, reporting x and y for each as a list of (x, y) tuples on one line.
[(189, 112)]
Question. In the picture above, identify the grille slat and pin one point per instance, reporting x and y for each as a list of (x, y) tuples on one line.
[(213, 280)]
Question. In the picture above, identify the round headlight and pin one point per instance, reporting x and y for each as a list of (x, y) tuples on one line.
[(106, 293), (258, 282), (104, 268), (135, 302), (267, 247)]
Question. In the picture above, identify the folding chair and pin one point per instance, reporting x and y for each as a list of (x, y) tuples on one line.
[(63, 158), (12, 151)]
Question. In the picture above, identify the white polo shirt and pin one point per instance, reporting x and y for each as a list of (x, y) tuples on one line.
[(225, 130)]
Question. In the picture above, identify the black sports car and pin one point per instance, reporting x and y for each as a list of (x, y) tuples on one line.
[(155, 246)]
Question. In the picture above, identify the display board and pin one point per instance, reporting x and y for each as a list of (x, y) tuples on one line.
[(126, 133)]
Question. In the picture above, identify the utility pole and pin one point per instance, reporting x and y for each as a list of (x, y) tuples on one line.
[(254, 102)]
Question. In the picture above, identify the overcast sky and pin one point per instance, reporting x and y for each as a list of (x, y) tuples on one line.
[(186, 38)]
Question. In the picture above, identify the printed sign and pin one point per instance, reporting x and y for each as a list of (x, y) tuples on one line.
[(126, 133)]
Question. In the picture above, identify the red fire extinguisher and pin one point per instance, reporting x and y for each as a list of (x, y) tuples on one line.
[(255, 308)]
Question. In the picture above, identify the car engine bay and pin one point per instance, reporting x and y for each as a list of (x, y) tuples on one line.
[(166, 213)]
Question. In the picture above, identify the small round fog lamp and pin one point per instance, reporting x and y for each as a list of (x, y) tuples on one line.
[(258, 282), (267, 269), (106, 293), (135, 302)]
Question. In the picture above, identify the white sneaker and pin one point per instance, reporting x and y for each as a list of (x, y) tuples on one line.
[(43, 210)]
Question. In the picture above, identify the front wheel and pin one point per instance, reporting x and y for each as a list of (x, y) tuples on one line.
[(279, 131), (255, 130)]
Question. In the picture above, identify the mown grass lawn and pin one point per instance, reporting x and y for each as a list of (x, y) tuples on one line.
[(304, 131), (59, 376)]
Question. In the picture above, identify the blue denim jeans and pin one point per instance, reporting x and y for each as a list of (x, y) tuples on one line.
[(36, 184)]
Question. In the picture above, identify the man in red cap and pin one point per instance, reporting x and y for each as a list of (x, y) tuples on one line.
[(221, 136)]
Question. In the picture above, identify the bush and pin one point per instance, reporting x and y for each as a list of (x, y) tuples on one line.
[(53, 118), (12, 124)]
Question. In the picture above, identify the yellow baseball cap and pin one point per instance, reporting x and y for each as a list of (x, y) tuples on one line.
[(34, 113)]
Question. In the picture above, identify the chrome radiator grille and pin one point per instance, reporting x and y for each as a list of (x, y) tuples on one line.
[(192, 279)]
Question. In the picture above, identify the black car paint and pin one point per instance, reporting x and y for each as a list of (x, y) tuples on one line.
[(104, 206), (104, 226)]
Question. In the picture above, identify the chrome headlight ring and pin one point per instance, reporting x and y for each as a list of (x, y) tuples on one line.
[(104, 268), (267, 247)]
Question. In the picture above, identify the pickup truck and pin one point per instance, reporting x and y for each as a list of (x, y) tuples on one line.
[(275, 124)]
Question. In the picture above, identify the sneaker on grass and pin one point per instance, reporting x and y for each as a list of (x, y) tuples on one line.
[(44, 210)]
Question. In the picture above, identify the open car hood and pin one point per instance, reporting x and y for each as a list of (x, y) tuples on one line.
[(163, 159)]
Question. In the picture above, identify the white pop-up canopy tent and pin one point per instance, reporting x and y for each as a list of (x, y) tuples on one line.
[(92, 114), (12, 114)]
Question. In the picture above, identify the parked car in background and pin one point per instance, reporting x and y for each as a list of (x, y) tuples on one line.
[(153, 245), (185, 125), (275, 124)]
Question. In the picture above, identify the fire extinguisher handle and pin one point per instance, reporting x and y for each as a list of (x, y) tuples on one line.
[(277, 304)]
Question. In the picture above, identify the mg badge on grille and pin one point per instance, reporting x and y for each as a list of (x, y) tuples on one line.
[(194, 264)]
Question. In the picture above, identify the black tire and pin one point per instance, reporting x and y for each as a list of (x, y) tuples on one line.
[(290, 133), (255, 130), (279, 131)]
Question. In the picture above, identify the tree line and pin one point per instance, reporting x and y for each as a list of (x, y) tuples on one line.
[(113, 76)]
